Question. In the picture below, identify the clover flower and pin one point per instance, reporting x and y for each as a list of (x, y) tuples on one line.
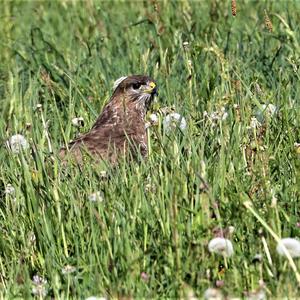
[(292, 246), (17, 143), (174, 120), (221, 246)]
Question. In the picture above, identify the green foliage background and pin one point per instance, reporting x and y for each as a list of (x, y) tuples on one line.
[(156, 217)]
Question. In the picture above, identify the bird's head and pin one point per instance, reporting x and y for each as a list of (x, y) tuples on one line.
[(138, 90)]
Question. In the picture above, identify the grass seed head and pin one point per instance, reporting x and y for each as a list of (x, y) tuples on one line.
[(233, 7), (268, 22)]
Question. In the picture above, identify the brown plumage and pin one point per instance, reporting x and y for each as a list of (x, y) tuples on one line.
[(120, 128)]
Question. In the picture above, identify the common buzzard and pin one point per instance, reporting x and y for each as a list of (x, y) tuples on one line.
[(120, 128)]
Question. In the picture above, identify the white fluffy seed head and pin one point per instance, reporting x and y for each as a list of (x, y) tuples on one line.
[(118, 81), (96, 197), (212, 294), (78, 122), (292, 246), (9, 190), (16, 143), (221, 246), (68, 269), (266, 111), (174, 120)]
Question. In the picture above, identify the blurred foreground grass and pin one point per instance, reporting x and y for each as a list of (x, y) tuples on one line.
[(148, 236)]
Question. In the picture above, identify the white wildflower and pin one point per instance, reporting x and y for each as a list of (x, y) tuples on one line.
[(31, 237), (38, 280), (221, 246), (254, 123), (224, 116), (16, 143), (39, 106), (9, 190), (297, 147), (68, 269), (213, 294), (96, 197), (39, 290), (266, 111), (153, 119), (259, 295), (39, 286), (78, 122), (215, 116), (174, 120), (185, 44), (257, 258), (292, 246), (103, 175)]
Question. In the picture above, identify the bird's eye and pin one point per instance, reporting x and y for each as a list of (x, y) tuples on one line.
[(136, 85)]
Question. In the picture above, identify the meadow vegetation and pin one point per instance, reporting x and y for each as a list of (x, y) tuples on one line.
[(142, 230)]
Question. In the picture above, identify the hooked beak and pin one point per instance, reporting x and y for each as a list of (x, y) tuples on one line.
[(151, 88)]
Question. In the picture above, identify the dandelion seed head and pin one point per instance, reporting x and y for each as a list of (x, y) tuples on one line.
[(9, 189), (96, 197), (103, 174), (78, 122), (221, 246), (174, 120), (17, 143), (37, 280), (153, 119), (68, 269), (254, 123), (39, 291), (266, 111), (213, 294), (292, 246), (257, 258), (39, 286), (39, 106)]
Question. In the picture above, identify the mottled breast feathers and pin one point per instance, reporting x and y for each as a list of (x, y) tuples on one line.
[(120, 129)]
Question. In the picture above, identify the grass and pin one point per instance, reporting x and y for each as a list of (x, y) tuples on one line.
[(157, 217)]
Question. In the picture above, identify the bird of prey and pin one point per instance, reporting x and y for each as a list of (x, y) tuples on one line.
[(120, 129)]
